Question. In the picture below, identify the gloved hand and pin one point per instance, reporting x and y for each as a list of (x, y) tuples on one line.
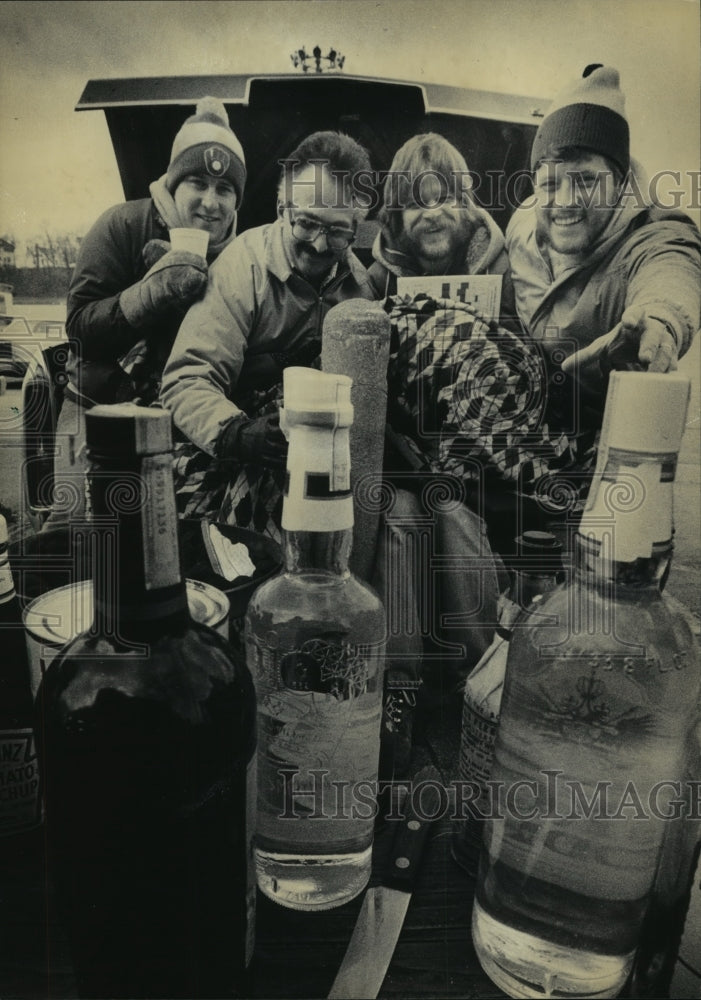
[(177, 279), (258, 441), (304, 356), (154, 250)]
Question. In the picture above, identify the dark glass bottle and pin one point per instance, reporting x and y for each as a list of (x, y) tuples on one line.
[(20, 804), (537, 571), (315, 644), (593, 750), (146, 737), (22, 863)]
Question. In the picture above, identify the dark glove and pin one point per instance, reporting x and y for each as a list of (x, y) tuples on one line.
[(154, 250), (177, 279), (304, 357), (257, 441)]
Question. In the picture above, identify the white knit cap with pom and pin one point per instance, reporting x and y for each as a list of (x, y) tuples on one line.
[(207, 145)]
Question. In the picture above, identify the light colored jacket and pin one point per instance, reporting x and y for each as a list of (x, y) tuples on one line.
[(254, 304), (646, 256)]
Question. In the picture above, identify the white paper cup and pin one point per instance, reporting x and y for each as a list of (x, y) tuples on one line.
[(192, 240)]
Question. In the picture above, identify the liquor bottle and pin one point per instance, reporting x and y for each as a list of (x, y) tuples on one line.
[(20, 804), (537, 570), (146, 738), (597, 713), (315, 645), (662, 939), (23, 942)]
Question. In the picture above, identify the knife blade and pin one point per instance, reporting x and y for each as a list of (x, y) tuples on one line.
[(381, 916)]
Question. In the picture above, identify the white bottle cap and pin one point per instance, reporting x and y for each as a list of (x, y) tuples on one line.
[(314, 397), (645, 412)]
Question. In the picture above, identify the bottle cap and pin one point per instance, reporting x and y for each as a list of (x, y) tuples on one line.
[(538, 543), (645, 411), (318, 398), (126, 430)]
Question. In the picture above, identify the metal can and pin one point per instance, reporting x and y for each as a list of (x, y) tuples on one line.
[(59, 615)]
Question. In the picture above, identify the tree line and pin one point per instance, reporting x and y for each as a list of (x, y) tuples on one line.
[(46, 250)]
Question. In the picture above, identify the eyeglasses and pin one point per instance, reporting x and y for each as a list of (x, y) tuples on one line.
[(307, 230)]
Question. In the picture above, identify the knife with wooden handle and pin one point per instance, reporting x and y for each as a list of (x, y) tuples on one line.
[(384, 907)]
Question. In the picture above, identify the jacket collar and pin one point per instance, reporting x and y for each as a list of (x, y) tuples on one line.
[(483, 247)]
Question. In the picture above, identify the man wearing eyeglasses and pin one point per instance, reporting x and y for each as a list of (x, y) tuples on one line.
[(265, 304)]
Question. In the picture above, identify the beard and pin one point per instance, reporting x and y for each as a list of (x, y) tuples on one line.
[(442, 244)]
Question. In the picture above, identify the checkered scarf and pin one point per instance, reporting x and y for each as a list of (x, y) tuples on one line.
[(468, 396)]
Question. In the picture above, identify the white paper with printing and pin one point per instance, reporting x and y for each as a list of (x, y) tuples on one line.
[(480, 291)]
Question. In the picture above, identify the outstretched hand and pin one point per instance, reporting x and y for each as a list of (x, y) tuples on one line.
[(639, 341)]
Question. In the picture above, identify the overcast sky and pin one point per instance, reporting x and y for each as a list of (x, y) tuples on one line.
[(57, 169)]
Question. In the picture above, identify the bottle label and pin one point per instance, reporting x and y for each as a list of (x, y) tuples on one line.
[(318, 493), (251, 884), (477, 741), (7, 586), (630, 505), (159, 525), (20, 805)]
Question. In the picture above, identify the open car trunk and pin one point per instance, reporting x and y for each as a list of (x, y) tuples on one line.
[(270, 114)]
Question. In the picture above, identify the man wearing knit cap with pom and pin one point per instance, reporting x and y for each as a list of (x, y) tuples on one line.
[(603, 278), (130, 289)]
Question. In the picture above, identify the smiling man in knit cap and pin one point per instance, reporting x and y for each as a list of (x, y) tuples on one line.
[(130, 290), (602, 277)]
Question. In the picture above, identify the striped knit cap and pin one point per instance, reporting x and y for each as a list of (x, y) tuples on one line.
[(591, 114), (206, 145)]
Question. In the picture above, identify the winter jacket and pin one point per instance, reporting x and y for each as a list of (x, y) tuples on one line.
[(110, 260), (646, 256), (255, 304), (485, 254)]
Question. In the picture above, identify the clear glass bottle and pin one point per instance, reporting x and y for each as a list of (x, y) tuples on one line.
[(597, 711), (146, 738), (537, 570), (315, 645)]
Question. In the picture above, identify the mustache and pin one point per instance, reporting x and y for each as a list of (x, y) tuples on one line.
[(313, 252)]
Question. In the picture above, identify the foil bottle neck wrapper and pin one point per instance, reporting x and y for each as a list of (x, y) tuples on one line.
[(630, 501), (316, 417)]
